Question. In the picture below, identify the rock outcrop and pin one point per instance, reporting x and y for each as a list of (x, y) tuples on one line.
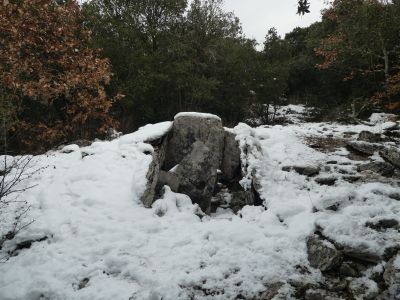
[(196, 157)]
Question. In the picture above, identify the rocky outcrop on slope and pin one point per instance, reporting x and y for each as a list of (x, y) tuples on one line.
[(199, 158)]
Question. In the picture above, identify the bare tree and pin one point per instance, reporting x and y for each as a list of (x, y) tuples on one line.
[(14, 173), (13, 208)]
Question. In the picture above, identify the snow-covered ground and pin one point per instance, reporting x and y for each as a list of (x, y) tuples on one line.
[(103, 244)]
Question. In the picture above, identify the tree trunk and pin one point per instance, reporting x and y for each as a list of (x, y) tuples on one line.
[(386, 60)]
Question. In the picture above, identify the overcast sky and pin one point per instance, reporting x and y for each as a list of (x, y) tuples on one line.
[(257, 16)]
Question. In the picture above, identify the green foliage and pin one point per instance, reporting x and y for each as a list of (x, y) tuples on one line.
[(167, 60), (171, 56)]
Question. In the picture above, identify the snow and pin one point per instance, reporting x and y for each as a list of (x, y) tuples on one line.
[(70, 148), (396, 262), (197, 115), (87, 203), (146, 133), (365, 288), (379, 118)]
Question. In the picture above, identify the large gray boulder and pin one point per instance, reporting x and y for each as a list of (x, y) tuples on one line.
[(195, 157), (189, 128), (198, 175)]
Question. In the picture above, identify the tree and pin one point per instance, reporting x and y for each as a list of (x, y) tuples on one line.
[(272, 76), (141, 39), (51, 84), (365, 44), (191, 58), (303, 7), (14, 172)]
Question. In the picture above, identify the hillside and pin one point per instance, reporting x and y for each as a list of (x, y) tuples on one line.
[(328, 225)]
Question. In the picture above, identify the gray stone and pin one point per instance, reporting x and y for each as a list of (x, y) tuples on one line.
[(152, 175), (327, 180), (392, 155), (322, 254), (198, 174), (169, 178), (370, 137), (307, 170), (315, 295), (186, 130), (272, 291), (347, 270), (395, 196), (383, 224), (201, 154), (365, 147), (152, 178), (112, 134), (363, 288), (382, 168), (392, 271), (351, 178), (361, 254), (241, 199), (230, 166)]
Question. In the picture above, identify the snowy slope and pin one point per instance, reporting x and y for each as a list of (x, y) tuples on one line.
[(87, 203)]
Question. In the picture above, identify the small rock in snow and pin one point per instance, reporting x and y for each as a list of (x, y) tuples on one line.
[(322, 254), (327, 180), (392, 155)]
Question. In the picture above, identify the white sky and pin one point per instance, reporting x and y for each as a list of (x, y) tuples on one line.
[(257, 16)]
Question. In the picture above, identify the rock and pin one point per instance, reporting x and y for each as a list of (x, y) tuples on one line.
[(392, 155), (186, 130), (149, 194), (361, 254), (112, 134), (315, 295), (230, 166), (383, 224), (351, 178), (363, 289), (168, 178), (327, 180), (331, 162), (83, 283), (391, 276), (370, 137), (307, 170), (70, 148), (197, 157), (392, 270), (395, 196), (382, 168), (364, 147), (271, 291), (240, 199), (322, 254), (347, 270), (198, 174)]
